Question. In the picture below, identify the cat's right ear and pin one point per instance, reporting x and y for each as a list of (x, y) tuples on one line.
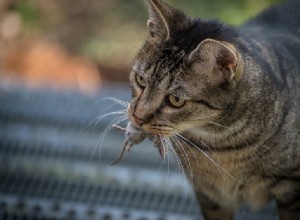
[(220, 60), (164, 20)]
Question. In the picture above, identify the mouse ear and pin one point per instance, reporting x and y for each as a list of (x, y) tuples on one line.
[(221, 59), (164, 20)]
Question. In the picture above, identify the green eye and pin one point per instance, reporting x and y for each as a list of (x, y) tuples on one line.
[(140, 80), (175, 102)]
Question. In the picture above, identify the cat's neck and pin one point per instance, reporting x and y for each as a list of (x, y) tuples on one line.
[(216, 136)]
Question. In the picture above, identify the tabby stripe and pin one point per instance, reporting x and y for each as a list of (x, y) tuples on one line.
[(280, 179), (265, 151), (239, 131), (289, 178), (207, 104), (292, 204), (281, 124), (249, 143), (282, 69), (246, 144), (155, 69), (158, 75), (267, 67)]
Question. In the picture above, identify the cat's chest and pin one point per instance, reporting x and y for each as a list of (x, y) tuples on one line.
[(225, 177)]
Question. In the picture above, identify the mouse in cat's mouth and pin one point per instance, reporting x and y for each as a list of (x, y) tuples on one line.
[(135, 135)]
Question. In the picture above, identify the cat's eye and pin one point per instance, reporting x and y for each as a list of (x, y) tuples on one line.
[(140, 80), (175, 102)]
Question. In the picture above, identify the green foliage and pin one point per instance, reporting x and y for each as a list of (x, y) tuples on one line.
[(112, 31), (232, 12), (29, 13)]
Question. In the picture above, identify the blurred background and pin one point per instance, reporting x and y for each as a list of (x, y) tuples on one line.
[(58, 60), (81, 44)]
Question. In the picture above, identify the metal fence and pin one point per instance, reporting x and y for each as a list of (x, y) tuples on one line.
[(55, 163)]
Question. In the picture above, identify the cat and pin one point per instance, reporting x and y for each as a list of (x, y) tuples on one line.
[(227, 101)]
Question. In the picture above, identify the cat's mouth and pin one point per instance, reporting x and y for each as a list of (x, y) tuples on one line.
[(136, 135), (150, 129)]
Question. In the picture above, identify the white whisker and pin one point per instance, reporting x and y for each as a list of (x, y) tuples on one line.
[(99, 118), (123, 103), (105, 133), (196, 159), (168, 173), (218, 124), (218, 168), (121, 112), (206, 155), (185, 156), (180, 166)]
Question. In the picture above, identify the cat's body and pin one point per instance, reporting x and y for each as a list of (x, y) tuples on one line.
[(227, 101)]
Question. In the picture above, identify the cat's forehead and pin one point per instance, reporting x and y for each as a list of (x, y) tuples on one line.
[(160, 63), (166, 74)]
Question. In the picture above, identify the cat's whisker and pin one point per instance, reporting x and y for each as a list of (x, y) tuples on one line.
[(185, 156), (218, 124), (162, 161), (168, 172), (220, 171), (170, 146), (123, 103), (180, 166), (176, 134), (105, 133), (218, 168), (206, 155), (99, 118), (184, 141), (178, 141)]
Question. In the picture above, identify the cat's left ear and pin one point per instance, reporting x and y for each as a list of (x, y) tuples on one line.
[(164, 20), (222, 59)]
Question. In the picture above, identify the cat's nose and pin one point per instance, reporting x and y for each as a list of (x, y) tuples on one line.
[(138, 121)]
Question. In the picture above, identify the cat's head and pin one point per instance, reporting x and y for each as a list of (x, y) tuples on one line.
[(185, 75)]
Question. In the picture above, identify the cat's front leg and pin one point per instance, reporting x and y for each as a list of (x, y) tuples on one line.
[(212, 210), (289, 209)]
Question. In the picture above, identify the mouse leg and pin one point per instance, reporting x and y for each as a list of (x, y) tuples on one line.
[(119, 127)]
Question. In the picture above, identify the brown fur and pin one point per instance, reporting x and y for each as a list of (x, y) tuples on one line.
[(238, 134)]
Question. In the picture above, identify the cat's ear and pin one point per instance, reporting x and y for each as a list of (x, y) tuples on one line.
[(219, 57), (164, 20)]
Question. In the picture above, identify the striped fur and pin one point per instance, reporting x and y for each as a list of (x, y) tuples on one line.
[(238, 133)]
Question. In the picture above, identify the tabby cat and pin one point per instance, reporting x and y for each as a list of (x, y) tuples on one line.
[(227, 101)]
